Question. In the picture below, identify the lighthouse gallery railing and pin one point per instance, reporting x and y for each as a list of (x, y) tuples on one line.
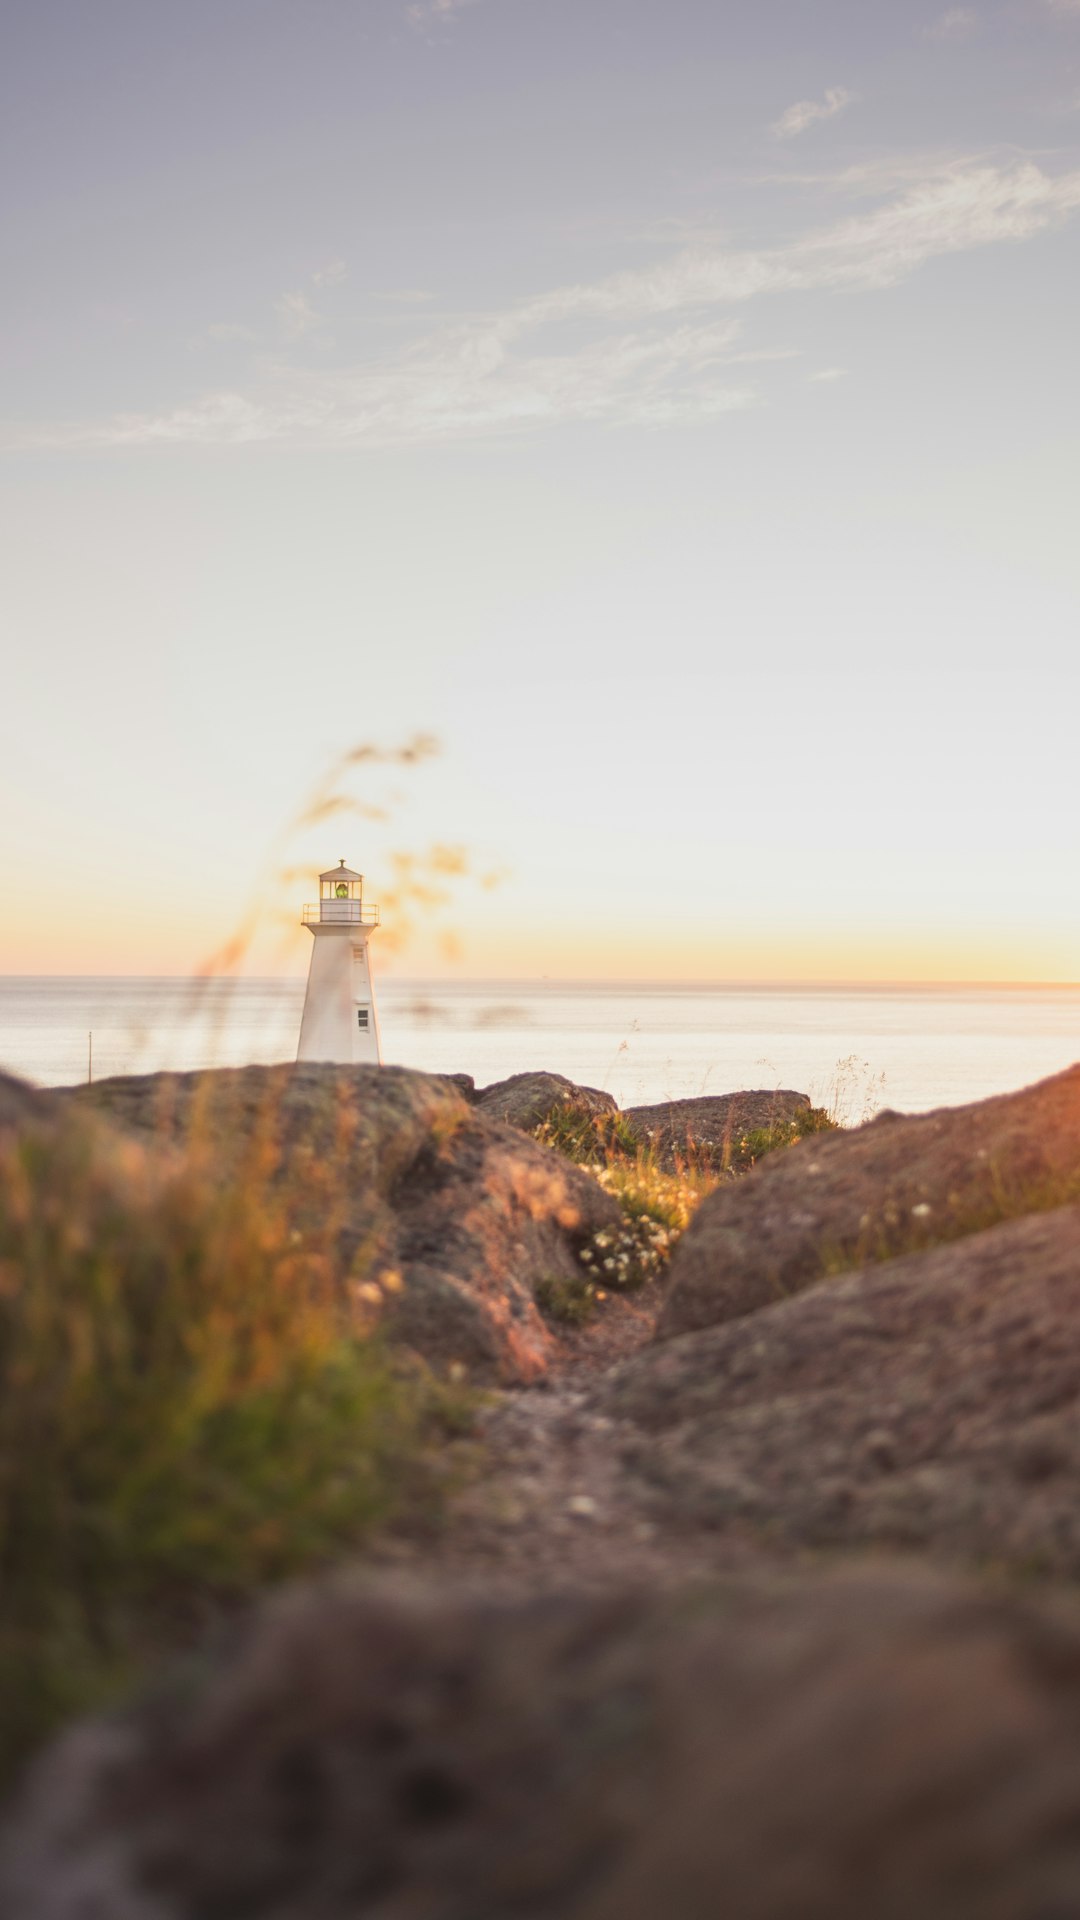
[(349, 913)]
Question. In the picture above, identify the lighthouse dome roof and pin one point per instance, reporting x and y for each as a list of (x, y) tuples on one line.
[(340, 872)]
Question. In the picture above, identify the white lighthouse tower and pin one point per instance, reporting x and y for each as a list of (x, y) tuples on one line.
[(340, 1023)]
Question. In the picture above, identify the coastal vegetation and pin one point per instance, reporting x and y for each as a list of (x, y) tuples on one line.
[(600, 1139), (752, 1144), (656, 1202), (245, 1319), (584, 1135), (185, 1413)]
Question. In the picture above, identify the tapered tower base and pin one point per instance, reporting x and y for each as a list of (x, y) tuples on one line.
[(340, 1023)]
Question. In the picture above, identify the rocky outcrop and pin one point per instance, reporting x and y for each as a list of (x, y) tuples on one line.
[(705, 1132), (713, 1720), (404, 1181), (526, 1100), (875, 1742), (932, 1402), (900, 1182), (22, 1106), (462, 1083)]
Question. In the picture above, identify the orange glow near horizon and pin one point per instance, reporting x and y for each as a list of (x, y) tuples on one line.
[(185, 945)]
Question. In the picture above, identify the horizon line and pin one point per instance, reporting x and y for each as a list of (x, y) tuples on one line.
[(739, 983)]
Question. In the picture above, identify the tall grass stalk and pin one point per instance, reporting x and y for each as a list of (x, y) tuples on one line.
[(188, 1409)]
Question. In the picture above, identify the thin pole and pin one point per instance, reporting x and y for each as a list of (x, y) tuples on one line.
[(90, 1060)]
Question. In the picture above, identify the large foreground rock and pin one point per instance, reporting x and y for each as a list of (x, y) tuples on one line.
[(706, 1132), (838, 1198), (22, 1106), (404, 1181), (930, 1402), (526, 1100), (873, 1743)]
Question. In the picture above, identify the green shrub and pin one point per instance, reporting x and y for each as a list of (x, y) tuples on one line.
[(186, 1412), (571, 1298)]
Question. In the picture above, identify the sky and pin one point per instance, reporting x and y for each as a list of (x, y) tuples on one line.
[(669, 406)]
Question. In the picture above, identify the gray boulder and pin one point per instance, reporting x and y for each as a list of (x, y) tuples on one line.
[(407, 1185), (705, 1132), (932, 1402), (526, 1100), (463, 1083), (901, 1182), (874, 1742)]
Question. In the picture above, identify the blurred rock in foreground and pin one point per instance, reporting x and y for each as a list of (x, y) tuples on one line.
[(875, 1742)]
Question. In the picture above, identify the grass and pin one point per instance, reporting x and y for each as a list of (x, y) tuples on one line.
[(656, 1209), (186, 1413), (606, 1139), (584, 1136), (745, 1149), (656, 1205), (897, 1229)]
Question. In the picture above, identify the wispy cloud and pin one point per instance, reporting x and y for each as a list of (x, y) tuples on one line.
[(651, 346), (463, 381), (805, 113), (296, 314), (429, 13), (963, 206), (959, 23), (826, 375)]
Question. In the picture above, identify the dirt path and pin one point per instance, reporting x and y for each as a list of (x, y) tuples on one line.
[(546, 1500)]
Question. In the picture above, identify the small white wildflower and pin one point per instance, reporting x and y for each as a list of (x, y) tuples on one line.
[(922, 1211)]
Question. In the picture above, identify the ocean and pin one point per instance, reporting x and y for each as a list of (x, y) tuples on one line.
[(853, 1049)]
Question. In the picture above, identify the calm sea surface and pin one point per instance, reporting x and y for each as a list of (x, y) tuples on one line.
[(852, 1048)]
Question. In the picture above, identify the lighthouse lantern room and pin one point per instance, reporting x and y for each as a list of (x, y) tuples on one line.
[(340, 1022)]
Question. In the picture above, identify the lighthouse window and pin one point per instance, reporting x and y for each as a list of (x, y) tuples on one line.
[(362, 1017)]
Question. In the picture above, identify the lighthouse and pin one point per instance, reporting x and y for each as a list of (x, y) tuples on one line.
[(340, 1023)]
